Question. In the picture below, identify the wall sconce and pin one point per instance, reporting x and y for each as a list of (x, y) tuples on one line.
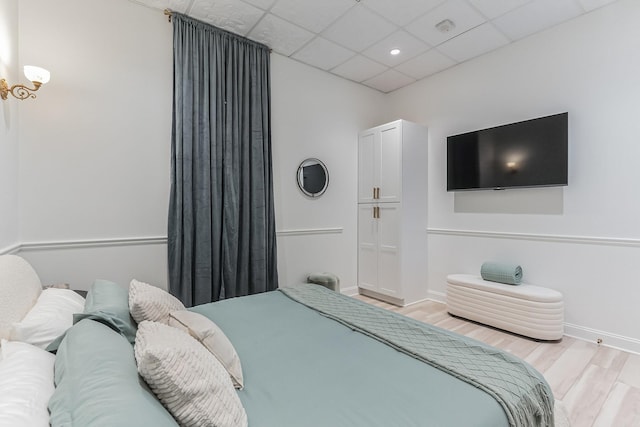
[(38, 76)]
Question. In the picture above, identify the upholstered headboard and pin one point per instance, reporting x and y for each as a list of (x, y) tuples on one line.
[(19, 290)]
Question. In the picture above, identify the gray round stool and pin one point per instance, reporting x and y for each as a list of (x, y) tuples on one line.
[(328, 280)]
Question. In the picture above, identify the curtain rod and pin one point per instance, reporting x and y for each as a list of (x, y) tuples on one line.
[(169, 13)]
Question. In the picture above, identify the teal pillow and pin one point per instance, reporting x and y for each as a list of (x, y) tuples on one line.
[(108, 303), (97, 382)]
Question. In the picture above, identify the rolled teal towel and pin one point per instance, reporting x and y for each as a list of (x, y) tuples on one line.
[(509, 274)]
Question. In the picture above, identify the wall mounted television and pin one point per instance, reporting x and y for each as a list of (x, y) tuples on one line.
[(532, 153)]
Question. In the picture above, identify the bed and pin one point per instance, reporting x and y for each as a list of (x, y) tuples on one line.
[(310, 357)]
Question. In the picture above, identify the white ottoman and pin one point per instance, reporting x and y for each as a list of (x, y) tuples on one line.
[(528, 310)]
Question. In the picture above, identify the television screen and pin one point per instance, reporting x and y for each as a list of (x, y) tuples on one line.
[(532, 153)]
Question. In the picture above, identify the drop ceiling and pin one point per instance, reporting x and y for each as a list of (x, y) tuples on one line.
[(353, 38)]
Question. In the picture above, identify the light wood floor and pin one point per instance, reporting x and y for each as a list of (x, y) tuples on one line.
[(598, 385)]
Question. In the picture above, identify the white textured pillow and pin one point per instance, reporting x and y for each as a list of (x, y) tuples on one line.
[(26, 384), (19, 290), (148, 302), (187, 379), (212, 338), (49, 318)]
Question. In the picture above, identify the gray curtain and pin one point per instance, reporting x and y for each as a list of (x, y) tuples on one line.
[(221, 235)]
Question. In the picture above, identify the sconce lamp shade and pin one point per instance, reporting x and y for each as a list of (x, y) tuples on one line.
[(36, 74), (38, 77)]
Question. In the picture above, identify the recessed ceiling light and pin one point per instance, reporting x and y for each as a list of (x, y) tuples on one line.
[(394, 51), (445, 26)]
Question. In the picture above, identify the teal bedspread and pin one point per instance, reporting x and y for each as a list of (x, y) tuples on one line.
[(302, 368), (520, 389)]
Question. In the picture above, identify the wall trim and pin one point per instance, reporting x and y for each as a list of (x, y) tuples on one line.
[(437, 296), (619, 342), (10, 249), (350, 291), (580, 332), (309, 231), (554, 238), (134, 241), (92, 243)]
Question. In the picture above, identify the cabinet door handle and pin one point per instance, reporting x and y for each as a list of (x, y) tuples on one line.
[(374, 192), (378, 192)]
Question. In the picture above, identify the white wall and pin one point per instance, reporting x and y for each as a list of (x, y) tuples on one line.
[(316, 114), (9, 205), (589, 68), (96, 148), (95, 145)]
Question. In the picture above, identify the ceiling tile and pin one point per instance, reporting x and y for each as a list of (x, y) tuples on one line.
[(312, 15), (178, 5), (463, 16), (281, 36), (388, 81), (359, 28), (475, 42), (323, 54), (401, 12), (262, 4), (494, 8), (231, 15), (536, 16), (426, 64), (359, 69), (409, 47), (590, 5)]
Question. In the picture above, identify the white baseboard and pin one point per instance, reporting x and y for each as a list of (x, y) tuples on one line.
[(580, 332), (607, 339), (350, 291), (437, 296)]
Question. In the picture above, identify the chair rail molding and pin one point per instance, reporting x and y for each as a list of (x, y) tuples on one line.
[(91, 243), (309, 231), (555, 238), (10, 250), (135, 241)]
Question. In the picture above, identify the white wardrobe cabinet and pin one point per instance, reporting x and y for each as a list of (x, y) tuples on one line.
[(392, 212)]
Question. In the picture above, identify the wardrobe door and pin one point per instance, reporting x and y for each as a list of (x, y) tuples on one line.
[(367, 247), (388, 227), (390, 165), (368, 152)]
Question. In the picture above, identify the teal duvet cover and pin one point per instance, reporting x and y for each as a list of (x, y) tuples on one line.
[(304, 369)]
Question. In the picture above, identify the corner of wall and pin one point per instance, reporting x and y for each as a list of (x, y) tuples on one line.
[(9, 147)]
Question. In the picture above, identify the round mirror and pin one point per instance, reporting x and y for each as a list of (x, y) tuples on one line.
[(313, 177)]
